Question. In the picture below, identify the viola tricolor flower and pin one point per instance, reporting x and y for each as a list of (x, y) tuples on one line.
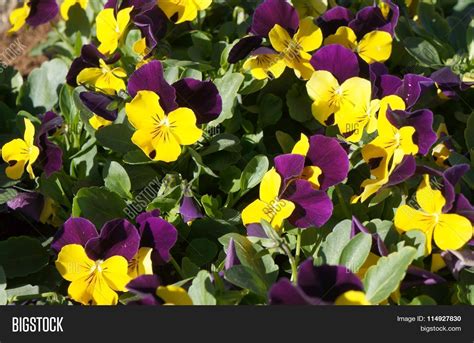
[(180, 11), (20, 153), (450, 231), (323, 285), (33, 13), (51, 155), (150, 292), (111, 28)]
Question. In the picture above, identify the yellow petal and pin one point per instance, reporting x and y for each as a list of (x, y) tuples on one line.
[(437, 263), (16, 170), (183, 126), (352, 298), (141, 264), (279, 38), (98, 122), (312, 174), (82, 289), (143, 138), (144, 111), (166, 145), (115, 272), (452, 232), (174, 295), (202, 4), (29, 135), (109, 82), (406, 140), (302, 146), (67, 4), (430, 200), (375, 46), (354, 91), (270, 186), (407, 218), (102, 293), (18, 17), (343, 36), (89, 76), (309, 35), (321, 88), (301, 65), (73, 262), (394, 102), (255, 212), (282, 210), (123, 18)]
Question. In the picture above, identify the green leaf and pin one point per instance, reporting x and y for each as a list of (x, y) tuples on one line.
[(422, 51), (228, 87), (270, 110), (299, 103), (229, 180), (116, 179), (335, 242), (253, 173), (285, 141), (356, 252), (201, 251), (422, 300), (469, 132), (198, 159), (385, 277), (470, 40), (98, 204), (245, 277), (116, 137), (202, 290), (43, 83), (21, 256)]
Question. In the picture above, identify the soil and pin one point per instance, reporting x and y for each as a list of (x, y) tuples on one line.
[(21, 43)]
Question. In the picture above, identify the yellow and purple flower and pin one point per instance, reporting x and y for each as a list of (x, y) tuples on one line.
[(33, 13)]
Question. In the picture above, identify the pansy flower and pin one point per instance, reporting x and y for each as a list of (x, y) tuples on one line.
[(323, 285), (448, 230), (67, 4), (375, 46), (111, 28), (265, 63), (381, 17), (180, 11), (294, 49), (150, 292), (284, 194), (326, 162), (99, 104), (96, 265), (20, 153), (189, 209), (105, 79), (35, 206), (330, 97), (442, 150), (334, 18), (33, 13)]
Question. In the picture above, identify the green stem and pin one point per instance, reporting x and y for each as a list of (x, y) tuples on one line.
[(177, 267), (293, 263), (342, 202), (298, 246)]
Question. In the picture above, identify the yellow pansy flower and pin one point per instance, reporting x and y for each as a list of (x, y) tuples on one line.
[(330, 97), (265, 66), (106, 79), (92, 282), (183, 10), (67, 4), (19, 153), (362, 116), (449, 230), (269, 207), (111, 29), (294, 50), (375, 46), (161, 135)]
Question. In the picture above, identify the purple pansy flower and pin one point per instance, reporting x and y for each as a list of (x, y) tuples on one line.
[(51, 155), (449, 83), (202, 97), (332, 19), (90, 58), (416, 276), (190, 209), (145, 287), (41, 12), (413, 87), (153, 25), (316, 285), (371, 18), (99, 104)]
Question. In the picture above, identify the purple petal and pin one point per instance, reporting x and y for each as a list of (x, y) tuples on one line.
[(29, 204), (139, 6), (145, 287), (458, 260), (416, 277), (413, 87), (150, 77), (449, 82), (422, 121), (190, 209), (402, 172), (285, 293), (272, 12), (326, 282), (160, 235), (463, 207), (200, 96), (74, 231), (243, 48), (331, 20), (370, 18), (378, 245), (327, 154), (51, 156), (451, 177), (89, 58), (256, 230), (145, 215), (98, 104), (329, 58), (231, 258), (117, 237), (312, 207), (289, 166), (41, 12), (153, 25)]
